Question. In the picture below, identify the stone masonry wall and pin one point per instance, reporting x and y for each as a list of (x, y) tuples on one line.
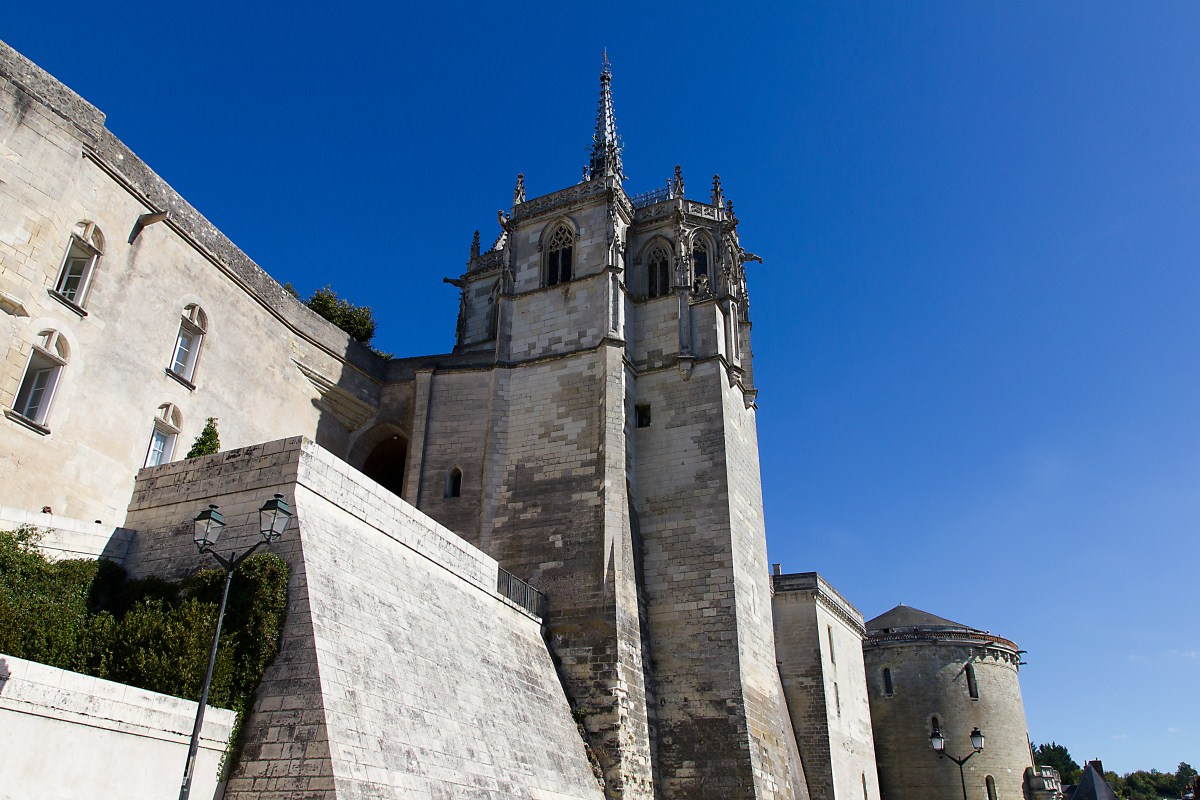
[(929, 680), (63, 167), (402, 671), (818, 639)]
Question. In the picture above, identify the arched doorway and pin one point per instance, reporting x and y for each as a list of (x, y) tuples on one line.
[(386, 462)]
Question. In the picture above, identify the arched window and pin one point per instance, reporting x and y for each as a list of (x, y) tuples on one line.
[(658, 273), (889, 688), (42, 372), (79, 264), (991, 788), (972, 684), (559, 249), (167, 423), (454, 483), (699, 260), (192, 327)]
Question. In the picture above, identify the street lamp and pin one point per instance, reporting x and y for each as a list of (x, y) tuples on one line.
[(938, 743), (272, 519)]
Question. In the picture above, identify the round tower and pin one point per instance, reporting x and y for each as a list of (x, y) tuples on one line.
[(926, 673)]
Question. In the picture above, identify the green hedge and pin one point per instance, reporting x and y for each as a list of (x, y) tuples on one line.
[(85, 616)]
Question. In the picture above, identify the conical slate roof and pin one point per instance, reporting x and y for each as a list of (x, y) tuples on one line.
[(903, 616), (1092, 786)]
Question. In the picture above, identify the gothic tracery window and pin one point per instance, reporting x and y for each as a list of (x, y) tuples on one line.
[(659, 274), (559, 250), (699, 260)]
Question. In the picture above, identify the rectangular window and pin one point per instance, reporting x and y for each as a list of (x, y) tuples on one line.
[(832, 653), (37, 389), (162, 445), (184, 353), (837, 699), (76, 270), (643, 416)]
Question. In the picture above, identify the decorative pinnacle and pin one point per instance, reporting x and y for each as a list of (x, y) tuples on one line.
[(519, 192), (677, 183), (606, 146), (475, 245), (718, 197)]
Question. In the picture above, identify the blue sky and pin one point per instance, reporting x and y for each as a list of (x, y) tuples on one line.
[(975, 328)]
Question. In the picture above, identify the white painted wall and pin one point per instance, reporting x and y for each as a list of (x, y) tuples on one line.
[(67, 736)]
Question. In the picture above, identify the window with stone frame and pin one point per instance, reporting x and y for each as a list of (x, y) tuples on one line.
[(559, 251), (163, 436), (192, 327), (972, 683), (43, 372), (454, 483), (889, 688), (699, 261), (658, 273), (79, 264)]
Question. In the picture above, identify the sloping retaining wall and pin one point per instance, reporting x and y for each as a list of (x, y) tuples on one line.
[(402, 672)]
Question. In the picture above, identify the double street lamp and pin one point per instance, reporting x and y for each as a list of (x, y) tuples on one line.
[(272, 519), (938, 743)]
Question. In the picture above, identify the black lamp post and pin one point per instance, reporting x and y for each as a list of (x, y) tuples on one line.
[(938, 743), (272, 519)]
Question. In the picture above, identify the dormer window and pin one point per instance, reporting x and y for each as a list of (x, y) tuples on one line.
[(559, 250), (79, 264), (658, 274), (192, 327)]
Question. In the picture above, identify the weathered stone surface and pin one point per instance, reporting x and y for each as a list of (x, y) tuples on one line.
[(402, 670)]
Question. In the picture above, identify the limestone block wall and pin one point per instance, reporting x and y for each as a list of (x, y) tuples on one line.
[(261, 350), (559, 515), (721, 721), (818, 641), (65, 735), (402, 671), (929, 679)]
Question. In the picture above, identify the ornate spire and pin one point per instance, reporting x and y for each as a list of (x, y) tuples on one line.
[(519, 192), (606, 147), (718, 197)]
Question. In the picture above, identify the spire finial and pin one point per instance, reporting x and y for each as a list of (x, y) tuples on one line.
[(606, 147), (718, 196), (475, 245), (519, 192)]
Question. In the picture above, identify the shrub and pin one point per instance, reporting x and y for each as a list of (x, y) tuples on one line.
[(208, 442), (84, 616), (358, 321)]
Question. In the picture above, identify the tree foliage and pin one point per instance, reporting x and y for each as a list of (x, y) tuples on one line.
[(1140, 785), (358, 321), (208, 442), (1057, 756)]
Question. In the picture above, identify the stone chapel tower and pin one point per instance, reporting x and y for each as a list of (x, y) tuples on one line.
[(620, 471)]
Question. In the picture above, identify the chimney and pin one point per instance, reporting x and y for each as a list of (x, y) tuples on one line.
[(776, 569)]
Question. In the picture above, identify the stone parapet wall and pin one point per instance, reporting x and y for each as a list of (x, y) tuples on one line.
[(63, 537), (65, 735)]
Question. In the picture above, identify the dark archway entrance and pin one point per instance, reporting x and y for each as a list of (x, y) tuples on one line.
[(385, 465)]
